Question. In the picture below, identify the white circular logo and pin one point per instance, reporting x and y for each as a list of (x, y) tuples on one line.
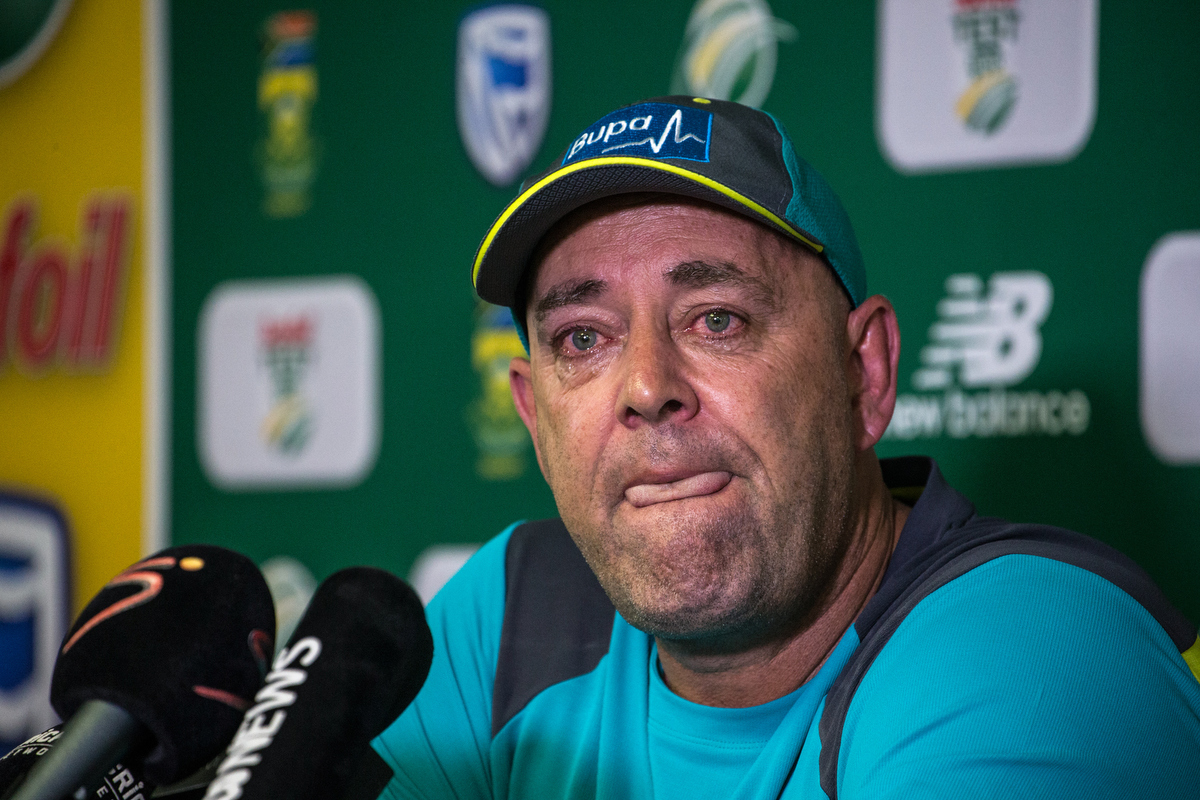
[(26, 30)]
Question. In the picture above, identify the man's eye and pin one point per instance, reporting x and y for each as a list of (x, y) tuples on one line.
[(717, 321), (583, 339)]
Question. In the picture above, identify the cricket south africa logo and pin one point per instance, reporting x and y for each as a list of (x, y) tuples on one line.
[(986, 339), (729, 51), (289, 382), (503, 88), (985, 28), (972, 84), (286, 346)]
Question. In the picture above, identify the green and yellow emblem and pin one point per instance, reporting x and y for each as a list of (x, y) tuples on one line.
[(984, 26)]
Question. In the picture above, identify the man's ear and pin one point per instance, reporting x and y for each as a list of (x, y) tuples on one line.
[(873, 335), (519, 372)]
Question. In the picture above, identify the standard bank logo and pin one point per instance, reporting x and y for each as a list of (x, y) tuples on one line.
[(987, 339), (503, 88), (967, 84), (647, 130), (34, 596), (729, 51)]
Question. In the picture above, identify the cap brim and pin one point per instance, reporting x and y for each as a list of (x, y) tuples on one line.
[(502, 257)]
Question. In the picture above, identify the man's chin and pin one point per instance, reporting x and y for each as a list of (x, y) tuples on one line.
[(719, 635), (701, 618)]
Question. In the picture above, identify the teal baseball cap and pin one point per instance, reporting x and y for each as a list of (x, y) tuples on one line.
[(718, 151)]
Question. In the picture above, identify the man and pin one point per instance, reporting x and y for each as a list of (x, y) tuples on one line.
[(740, 600)]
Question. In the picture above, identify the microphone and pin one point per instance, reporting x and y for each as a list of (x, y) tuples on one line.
[(157, 670), (357, 658), (120, 783)]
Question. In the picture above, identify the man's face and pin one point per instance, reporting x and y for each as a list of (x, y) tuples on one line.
[(688, 397)]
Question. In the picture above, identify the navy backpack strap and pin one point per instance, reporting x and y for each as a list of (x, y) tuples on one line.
[(557, 618)]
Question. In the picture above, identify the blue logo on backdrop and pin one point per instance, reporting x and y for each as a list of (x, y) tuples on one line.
[(503, 88), (34, 598), (647, 130)]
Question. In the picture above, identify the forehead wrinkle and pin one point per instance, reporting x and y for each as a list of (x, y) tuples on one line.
[(568, 293), (701, 274)]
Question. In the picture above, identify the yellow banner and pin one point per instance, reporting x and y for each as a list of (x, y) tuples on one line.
[(72, 332)]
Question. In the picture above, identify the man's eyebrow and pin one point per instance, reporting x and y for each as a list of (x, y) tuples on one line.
[(568, 294), (702, 274)]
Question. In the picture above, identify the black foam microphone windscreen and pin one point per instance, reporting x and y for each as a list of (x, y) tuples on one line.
[(356, 660), (178, 643)]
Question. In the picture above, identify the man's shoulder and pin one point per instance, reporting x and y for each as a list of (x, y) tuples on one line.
[(945, 538), (1035, 664), (989, 637), (557, 618)]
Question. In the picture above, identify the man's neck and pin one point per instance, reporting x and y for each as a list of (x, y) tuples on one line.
[(768, 671)]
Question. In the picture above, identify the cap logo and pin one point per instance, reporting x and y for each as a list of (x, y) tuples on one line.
[(648, 130)]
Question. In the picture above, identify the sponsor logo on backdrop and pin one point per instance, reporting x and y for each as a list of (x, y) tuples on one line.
[(647, 130), (286, 348), (34, 604), (287, 90), (1169, 345), (503, 87), (987, 339), (500, 436), (289, 383), (985, 28), (436, 565), (729, 51), (28, 28), (968, 84), (292, 586), (60, 305)]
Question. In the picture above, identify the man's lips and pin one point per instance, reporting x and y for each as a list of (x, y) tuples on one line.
[(640, 495)]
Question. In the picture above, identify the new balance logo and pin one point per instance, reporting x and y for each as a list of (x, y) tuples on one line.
[(987, 338), (990, 339)]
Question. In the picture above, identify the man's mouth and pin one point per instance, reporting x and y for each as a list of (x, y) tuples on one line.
[(641, 495)]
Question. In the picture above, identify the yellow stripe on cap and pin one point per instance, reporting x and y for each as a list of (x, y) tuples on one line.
[(629, 161), (1191, 656)]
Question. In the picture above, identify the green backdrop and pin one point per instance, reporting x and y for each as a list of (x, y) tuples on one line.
[(396, 201)]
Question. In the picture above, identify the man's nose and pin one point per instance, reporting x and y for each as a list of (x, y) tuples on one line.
[(655, 386)]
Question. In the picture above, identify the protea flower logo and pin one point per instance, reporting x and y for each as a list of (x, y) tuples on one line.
[(289, 383), (499, 433), (287, 91), (729, 51), (983, 27), (286, 345)]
